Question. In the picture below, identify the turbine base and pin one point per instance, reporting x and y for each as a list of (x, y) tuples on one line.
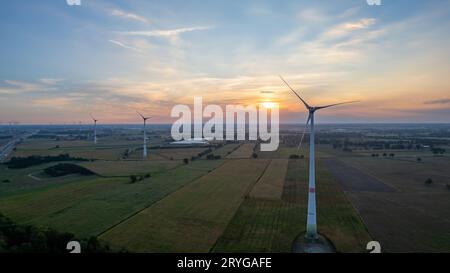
[(320, 244)]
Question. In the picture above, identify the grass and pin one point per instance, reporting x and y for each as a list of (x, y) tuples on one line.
[(192, 218), (21, 180)]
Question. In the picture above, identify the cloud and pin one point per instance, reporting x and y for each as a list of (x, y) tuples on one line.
[(438, 101), (15, 87), (164, 33), (311, 15), (53, 102), (122, 45), (49, 81), (127, 15), (348, 27)]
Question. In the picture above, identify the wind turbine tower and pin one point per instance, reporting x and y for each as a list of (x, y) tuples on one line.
[(95, 129), (144, 151), (311, 223)]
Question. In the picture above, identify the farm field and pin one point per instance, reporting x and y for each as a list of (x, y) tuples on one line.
[(179, 153), (103, 202), (135, 154), (244, 151), (201, 209), (105, 150), (20, 180), (284, 152), (128, 167), (271, 184), (237, 203), (390, 215), (226, 149), (263, 225)]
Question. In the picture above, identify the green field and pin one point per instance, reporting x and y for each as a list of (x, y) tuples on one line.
[(91, 206), (128, 167)]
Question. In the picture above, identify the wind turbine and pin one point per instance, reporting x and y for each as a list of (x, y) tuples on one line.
[(311, 223), (144, 153), (95, 129)]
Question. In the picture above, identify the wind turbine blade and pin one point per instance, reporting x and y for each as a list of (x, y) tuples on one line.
[(304, 102), (331, 105), (93, 118), (303, 135), (140, 114)]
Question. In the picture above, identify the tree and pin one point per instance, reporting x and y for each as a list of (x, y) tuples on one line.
[(133, 179), (186, 161), (419, 159), (429, 181), (16, 238), (254, 155)]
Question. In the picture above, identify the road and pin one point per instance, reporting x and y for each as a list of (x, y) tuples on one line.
[(6, 149)]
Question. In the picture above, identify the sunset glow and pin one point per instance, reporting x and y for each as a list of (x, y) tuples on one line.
[(60, 62), (269, 104)]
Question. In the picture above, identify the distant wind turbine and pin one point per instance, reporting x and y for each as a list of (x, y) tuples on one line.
[(95, 129), (144, 153), (311, 223)]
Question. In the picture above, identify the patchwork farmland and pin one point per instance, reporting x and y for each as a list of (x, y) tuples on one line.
[(229, 197)]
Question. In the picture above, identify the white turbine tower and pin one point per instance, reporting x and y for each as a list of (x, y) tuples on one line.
[(311, 223), (95, 129), (144, 153)]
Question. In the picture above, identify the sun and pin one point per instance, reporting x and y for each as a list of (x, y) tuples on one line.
[(269, 104)]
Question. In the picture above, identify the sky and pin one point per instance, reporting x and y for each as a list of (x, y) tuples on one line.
[(60, 63)]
